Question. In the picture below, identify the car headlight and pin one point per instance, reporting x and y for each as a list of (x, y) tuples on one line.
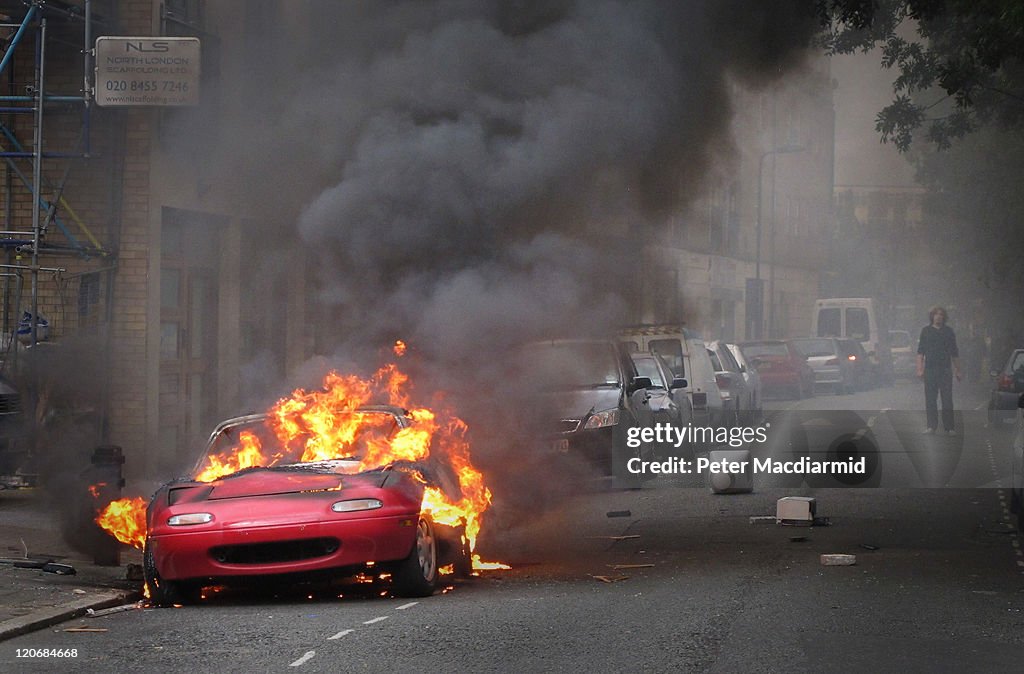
[(189, 518), (356, 504), (602, 419)]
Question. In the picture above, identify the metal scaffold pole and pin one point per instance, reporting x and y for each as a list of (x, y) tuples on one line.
[(37, 174)]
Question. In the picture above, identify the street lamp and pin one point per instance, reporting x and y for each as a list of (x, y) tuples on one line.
[(758, 313)]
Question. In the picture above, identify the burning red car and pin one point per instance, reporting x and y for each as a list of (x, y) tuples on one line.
[(299, 518)]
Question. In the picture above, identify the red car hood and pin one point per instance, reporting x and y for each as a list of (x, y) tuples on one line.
[(266, 482)]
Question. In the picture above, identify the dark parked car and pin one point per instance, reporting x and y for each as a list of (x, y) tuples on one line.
[(783, 370), (833, 365), (865, 373), (1008, 384), (587, 396)]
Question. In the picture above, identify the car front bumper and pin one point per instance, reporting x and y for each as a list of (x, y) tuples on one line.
[(264, 550)]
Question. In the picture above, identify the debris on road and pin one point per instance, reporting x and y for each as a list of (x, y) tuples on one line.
[(615, 538), (838, 560), (868, 546), (77, 591), (621, 567), (619, 513), (795, 511), (762, 518), (116, 609), (797, 539), (610, 579)]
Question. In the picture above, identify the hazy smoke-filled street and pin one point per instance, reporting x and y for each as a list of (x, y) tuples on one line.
[(511, 335), (936, 587)]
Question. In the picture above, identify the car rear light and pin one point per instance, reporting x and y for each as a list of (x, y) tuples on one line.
[(700, 401), (1005, 382), (723, 381), (851, 357), (356, 504), (189, 519), (832, 361)]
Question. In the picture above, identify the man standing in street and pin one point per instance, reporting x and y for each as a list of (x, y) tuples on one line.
[(938, 360)]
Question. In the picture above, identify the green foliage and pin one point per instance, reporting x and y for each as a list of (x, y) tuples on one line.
[(964, 68)]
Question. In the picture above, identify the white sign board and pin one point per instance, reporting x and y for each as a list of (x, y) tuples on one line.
[(147, 71)]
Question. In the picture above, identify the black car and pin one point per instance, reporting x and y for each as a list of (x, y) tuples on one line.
[(586, 397), (1008, 384)]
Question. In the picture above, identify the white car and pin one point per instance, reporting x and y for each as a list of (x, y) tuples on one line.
[(753, 380), (1017, 466)]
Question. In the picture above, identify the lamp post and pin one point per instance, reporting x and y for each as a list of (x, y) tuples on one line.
[(758, 317)]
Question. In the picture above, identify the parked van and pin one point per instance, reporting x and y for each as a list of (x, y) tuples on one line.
[(686, 355), (859, 318)]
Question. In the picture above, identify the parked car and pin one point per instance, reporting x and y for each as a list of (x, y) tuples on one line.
[(587, 397), (833, 366), (686, 355), (1017, 465), (292, 520), (753, 380), (904, 353), (666, 397), (782, 368), (736, 397), (865, 375), (1008, 384)]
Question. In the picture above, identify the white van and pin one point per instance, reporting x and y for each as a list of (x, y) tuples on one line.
[(859, 318), (686, 355)]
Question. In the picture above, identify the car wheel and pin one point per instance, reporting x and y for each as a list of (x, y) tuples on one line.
[(164, 592), (416, 575)]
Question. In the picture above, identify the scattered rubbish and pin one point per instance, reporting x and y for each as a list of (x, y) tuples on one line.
[(868, 546), (47, 565), (77, 591), (797, 539), (86, 629), (838, 560), (795, 511), (986, 592), (821, 522), (615, 538), (610, 579), (619, 513), (762, 518), (116, 609), (134, 572), (621, 567)]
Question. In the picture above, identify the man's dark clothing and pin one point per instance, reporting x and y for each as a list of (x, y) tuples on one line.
[(938, 346)]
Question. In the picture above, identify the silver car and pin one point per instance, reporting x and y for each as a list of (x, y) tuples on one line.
[(828, 359)]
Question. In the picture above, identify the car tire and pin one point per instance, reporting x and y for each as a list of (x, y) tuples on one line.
[(164, 592), (416, 575)]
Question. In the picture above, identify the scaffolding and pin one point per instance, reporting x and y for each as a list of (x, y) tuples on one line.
[(42, 26)]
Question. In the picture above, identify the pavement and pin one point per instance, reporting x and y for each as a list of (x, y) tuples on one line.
[(31, 599)]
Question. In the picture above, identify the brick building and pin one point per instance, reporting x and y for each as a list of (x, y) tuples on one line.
[(151, 244)]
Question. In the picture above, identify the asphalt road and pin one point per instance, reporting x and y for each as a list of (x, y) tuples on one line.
[(938, 584)]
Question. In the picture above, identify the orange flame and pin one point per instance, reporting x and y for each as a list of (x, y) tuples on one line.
[(125, 520), (323, 424), (94, 489)]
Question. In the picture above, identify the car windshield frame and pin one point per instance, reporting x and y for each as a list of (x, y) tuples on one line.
[(765, 349), (804, 346), (556, 370)]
